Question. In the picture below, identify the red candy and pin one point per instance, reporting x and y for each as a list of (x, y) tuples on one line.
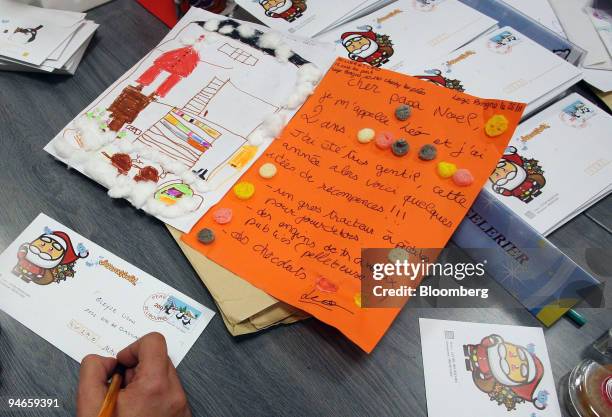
[(323, 284), (223, 215), (384, 140), (463, 177)]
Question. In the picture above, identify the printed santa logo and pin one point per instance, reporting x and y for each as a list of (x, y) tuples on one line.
[(508, 373), (367, 46), (288, 10), (435, 76), (49, 258), (517, 176)]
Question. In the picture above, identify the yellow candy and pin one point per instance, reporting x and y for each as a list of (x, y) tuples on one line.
[(244, 190), (357, 299), (496, 125), (365, 135), (446, 169), (267, 170)]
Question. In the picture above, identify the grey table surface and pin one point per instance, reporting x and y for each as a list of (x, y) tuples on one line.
[(303, 369)]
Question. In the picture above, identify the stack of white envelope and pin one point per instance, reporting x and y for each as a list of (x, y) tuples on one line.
[(42, 40), (588, 24), (309, 17), (558, 164)]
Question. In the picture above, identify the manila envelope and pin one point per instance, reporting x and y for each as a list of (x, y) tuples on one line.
[(243, 307)]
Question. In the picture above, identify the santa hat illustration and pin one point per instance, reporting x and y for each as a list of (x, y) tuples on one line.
[(510, 155), (434, 77), (64, 241), (351, 36)]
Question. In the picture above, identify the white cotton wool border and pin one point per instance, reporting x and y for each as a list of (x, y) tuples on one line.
[(138, 193)]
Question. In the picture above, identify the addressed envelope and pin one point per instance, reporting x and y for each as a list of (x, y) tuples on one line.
[(243, 307), (406, 31), (83, 299), (558, 163), (492, 370), (503, 64)]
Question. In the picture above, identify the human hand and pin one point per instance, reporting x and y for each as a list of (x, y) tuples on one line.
[(151, 386)]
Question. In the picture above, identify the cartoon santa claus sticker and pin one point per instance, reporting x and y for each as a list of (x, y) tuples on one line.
[(288, 10), (515, 176), (367, 46), (48, 258), (510, 374)]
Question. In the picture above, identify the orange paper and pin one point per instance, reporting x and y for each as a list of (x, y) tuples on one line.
[(299, 238)]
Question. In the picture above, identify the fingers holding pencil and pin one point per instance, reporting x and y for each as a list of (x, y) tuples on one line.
[(93, 384), (150, 384)]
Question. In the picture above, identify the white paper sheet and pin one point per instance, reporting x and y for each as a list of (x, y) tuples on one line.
[(492, 370), (83, 299), (580, 30), (560, 162), (541, 11), (231, 91)]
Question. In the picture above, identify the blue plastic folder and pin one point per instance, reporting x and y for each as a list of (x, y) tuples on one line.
[(526, 264)]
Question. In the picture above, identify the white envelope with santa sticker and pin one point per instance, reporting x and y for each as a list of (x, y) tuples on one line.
[(83, 299), (558, 163), (503, 64), (477, 369), (408, 31)]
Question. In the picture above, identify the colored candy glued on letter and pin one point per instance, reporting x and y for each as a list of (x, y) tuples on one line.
[(334, 196)]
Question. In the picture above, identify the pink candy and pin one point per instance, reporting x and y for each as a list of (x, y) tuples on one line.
[(463, 177), (384, 140), (223, 215)]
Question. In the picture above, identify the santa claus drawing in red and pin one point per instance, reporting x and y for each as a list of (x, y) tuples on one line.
[(509, 373), (368, 47), (288, 10), (49, 258), (518, 177), (177, 64)]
